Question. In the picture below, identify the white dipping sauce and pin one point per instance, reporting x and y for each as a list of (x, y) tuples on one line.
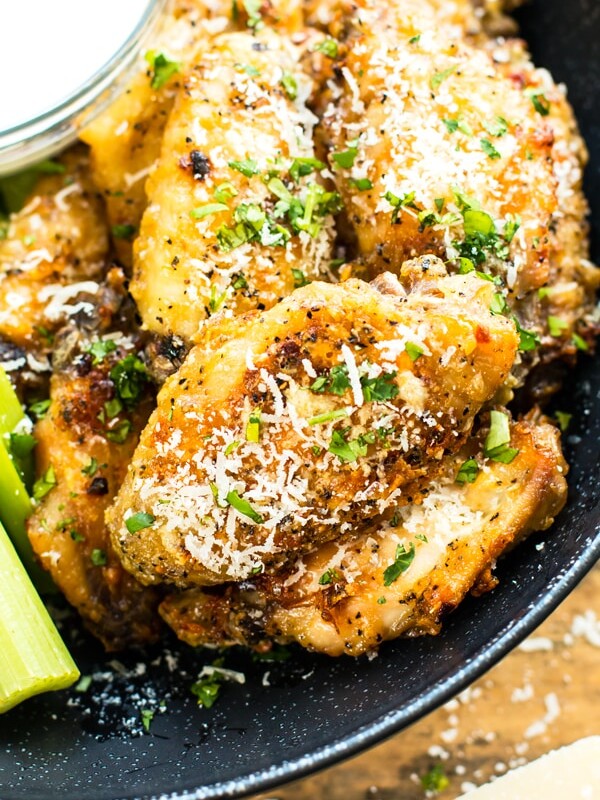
[(51, 48)]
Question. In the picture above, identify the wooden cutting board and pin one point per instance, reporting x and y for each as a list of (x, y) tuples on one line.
[(543, 695)]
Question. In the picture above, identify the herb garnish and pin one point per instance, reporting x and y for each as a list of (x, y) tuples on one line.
[(139, 521), (496, 446), (44, 484), (162, 68), (402, 561), (468, 472)]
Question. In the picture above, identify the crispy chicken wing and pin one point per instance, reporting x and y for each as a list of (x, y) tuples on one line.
[(397, 576), (445, 146), (126, 139), (291, 426), (235, 219), (54, 248), (100, 400)]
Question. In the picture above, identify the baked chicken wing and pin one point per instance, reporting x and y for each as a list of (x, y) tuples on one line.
[(396, 576), (236, 218), (287, 428), (456, 148), (100, 399), (54, 248), (126, 139)]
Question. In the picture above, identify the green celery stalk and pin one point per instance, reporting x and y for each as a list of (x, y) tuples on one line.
[(15, 504), (33, 657), (11, 411)]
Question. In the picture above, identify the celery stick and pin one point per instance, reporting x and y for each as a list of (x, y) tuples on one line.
[(15, 505), (13, 420), (33, 657), (11, 411)]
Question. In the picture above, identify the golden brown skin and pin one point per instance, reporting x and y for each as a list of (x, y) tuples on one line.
[(439, 123), (67, 529), (126, 139), (235, 106), (58, 238), (335, 600), (416, 368)]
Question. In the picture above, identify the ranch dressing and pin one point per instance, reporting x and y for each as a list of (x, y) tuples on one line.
[(58, 58)]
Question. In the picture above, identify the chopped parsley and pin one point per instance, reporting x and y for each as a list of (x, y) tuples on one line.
[(300, 278), (346, 158), (489, 149), (348, 451), (243, 507), (439, 77), (224, 192), (39, 409), (119, 432), (336, 381), (380, 389), (563, 419), (539, 101), (253, 8), (130, 377), (20, 445), (528, 340), (98, 557), (139, 521), (381, 601), (468, 472), (207, 690), (511, 226), (498, 305), (328, 416), (435, 780), (290, 85), (557, 326), (162, 68), (329, 47), (402, 561), (362, 184), (406, 201), (328, 577), (496, 446), (497, 127), (100, 349), (44, 484), (247, 167), (248, 69), (301, 167), (580, 343), (208, 210), (147, 715), (413, 351), (124, 231)]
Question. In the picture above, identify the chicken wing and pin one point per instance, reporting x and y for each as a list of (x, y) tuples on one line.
[(439, 145), (235, 219), (397, 576), (54, 248), (285, 429), (100, 399), (126, 139)]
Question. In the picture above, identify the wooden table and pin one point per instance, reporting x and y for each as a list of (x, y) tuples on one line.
[(542, 695)]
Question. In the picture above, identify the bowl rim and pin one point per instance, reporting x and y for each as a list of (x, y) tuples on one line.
[(366, 736)]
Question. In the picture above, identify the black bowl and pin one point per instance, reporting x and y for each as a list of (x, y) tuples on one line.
[(309, 711)]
